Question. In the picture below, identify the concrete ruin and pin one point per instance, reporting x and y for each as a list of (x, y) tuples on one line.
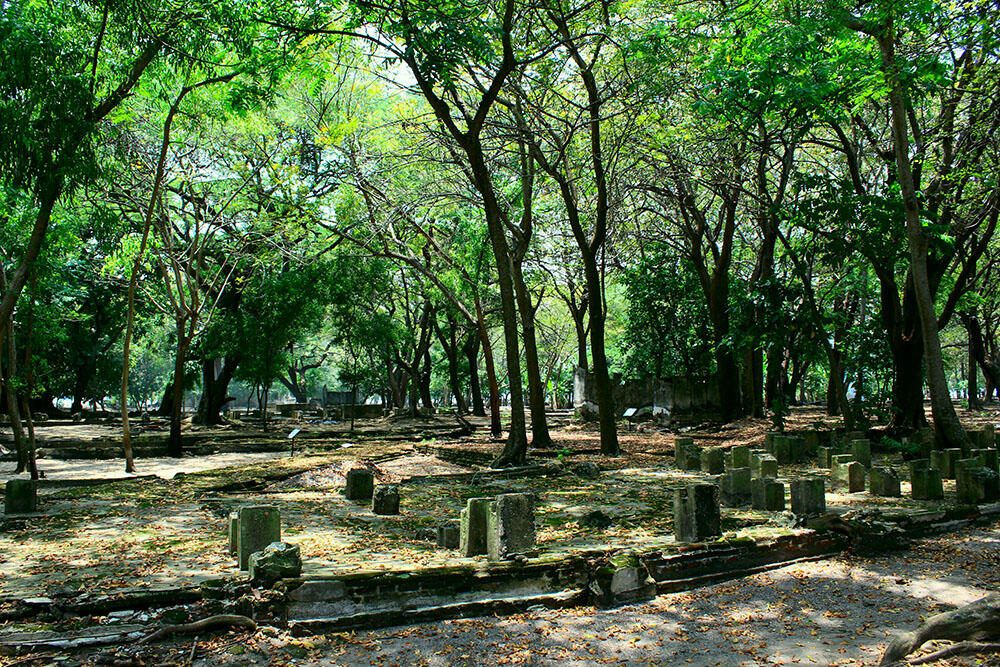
[(667, 397)]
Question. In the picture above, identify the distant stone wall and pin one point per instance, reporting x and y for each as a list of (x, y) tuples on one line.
[(666, 396)]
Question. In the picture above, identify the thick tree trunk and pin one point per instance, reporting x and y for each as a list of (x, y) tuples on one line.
[(215, 390), (947, 427), (606, 409), (175, 445), (425, 383), (540, 437)]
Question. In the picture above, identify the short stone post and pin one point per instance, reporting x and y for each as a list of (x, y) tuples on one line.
[(738, 457), (472, 541), (385, 499), (447, 536), (360, 484), (768, 494), (862, 450), (234, 533), (808, 496), (825, 456), (713, 460), (884, 482), (988, 459), (510, 525), (259, 525), (781, 448), (975, 484), (696, 512), (763, 465), (850, 476), (734, 487), (925, 482), (20, 496)]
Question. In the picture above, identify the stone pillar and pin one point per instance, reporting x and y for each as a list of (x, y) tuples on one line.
[(687, 455), (988, 459), (925, 481), (808, 496), (850, 476), (20, 496), (234, 533), (781, 448), (768, 494), (259, 525), (738, 457), (862, 450), (975, 484), (734, 487), (763, 464), (448, 536), (696, 513), (713, 460), (360, 484), (510, 525), (472, 541), (385, 499), (825, 456), (884, 482)]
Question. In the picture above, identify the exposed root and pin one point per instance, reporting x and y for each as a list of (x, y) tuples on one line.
[(210, 623), (962, 648), (977, 621)]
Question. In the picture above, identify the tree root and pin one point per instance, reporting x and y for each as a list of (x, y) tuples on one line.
[(210, 623), (977, 621), (962, 648)]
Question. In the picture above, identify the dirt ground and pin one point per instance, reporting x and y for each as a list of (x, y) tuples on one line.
[(170, 531), (836, 612)]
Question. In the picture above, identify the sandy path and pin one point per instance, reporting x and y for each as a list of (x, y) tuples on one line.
[(115, 468)]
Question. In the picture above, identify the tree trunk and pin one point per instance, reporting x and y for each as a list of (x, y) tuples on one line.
[(606, 409), (175, 446), (947, 427), (540, 437), (425, 383), (215, 390), (471, 349)]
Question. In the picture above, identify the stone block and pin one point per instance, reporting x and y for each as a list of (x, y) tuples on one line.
[(988, 459), (259, 526), (808, 496), (385, 499), (448, 536), (734, 487), (976, 484), (840, 459), (278, 560), (884, 482), (687, 455), (763, 465), (20, 496), (781, 449), (769, 441), (234, 532), (926, 484), (768, 494), (862, 450), (738, 457), (360, 484), (713, 460), (849, 476), (812, 440), (825, 455), (472, 539), (510, 525), (944, 460), (697, 515)]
